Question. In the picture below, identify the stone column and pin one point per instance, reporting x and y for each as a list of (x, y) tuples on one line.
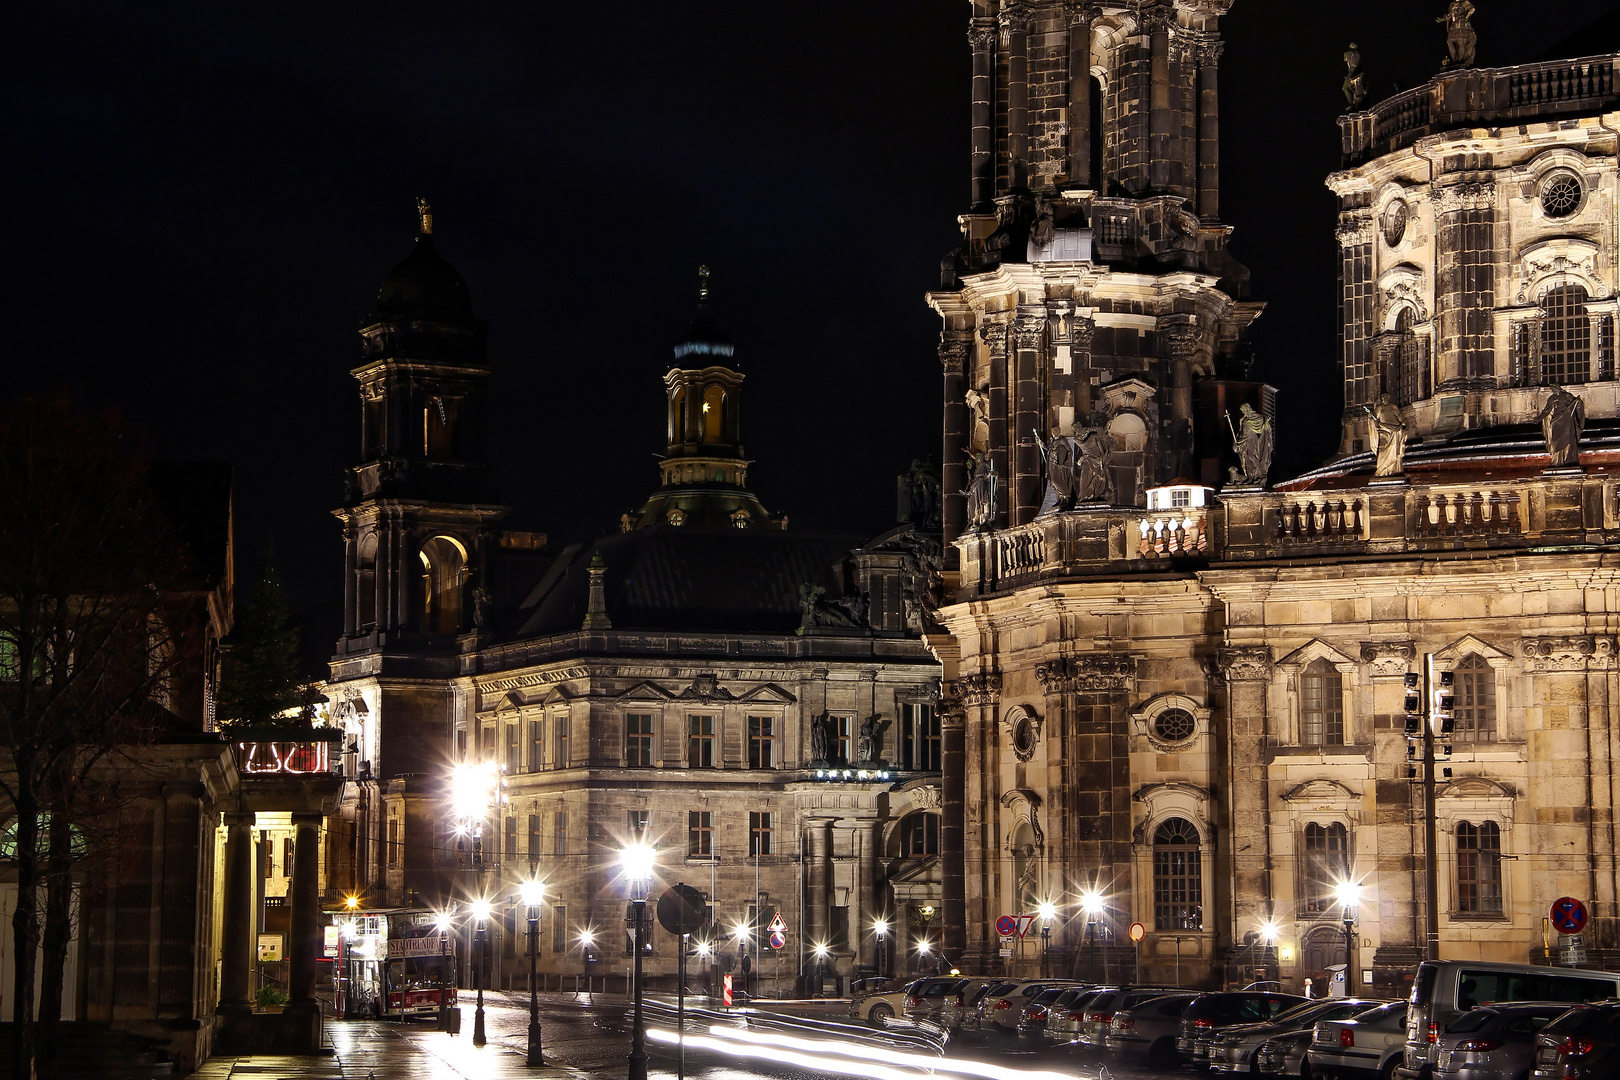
[(982, 39), (955, 351), (1029, 416), (1157, 25), (1015, 39), (1465, 281), (1080, 133), (351, 568), (1080, 352), (952, 832), (818, 880), (304, 938), (973, 702), (237, 946), (1183, 340), (1209, 131), (995, 336), (1247, 672)]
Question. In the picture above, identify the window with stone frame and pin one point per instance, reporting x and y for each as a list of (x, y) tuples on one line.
[(919, 738), (559, 755), (513, 762), (559, 928), (1178, 877), (511, 849), (1566, 336), (559, 833), (700, 742), (761, 833), (1324, 863), (762, 742), (919, 835), (393, 841), (1412, 361), (637, 821), (1479, 868), (1321, 705), (537, 745), (1474, 700), (842, 748), (700, 833), (638, 740), (534, 835)]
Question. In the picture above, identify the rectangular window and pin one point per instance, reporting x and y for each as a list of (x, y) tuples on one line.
[(534, 834), (393, 842), (559, 928), (511, 838), (700, 742), (559, 833), (638, 823), (1479, 869), (461, 743), (1475, 701), (700, 833), (1321, 705), (1326, 864), (638, 740), (761, 834), (560, 752), (513, 762), (919, 738), (537, 745), (761, 742), (287, 857), (840, 928), (841, 747)]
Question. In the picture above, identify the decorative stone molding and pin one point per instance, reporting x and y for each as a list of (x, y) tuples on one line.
[(994, 334), (1171, 800), (1080, 333), (1031, 805), (1401, 286), (1014, 20), (926, 797), (1247, 663), (1146, 721), (952, 715), (1388, 659), (1467, 644), (982, 35), (1028, 330), (1183, 339), (1023, 726), (953, 349), (1555, 260), (1574, 652), (1082, 15), (1355, 230), (1097, 671), (1471, 195), (978, 690), (1321, 791)]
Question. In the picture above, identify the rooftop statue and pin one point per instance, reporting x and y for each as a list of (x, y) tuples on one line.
[(1562, 418), (1355, 80), (1460, 36), (1061, 482), (1096, 483), (1388, 433), (1254, 441), (981, 491)]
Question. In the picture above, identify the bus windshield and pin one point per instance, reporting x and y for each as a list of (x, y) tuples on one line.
[(419, 973)]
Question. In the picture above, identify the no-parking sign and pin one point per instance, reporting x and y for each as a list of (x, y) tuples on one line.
[(1568, 915), (1006, 926)]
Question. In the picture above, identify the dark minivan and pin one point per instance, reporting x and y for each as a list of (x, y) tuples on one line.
[(1208, 1013)]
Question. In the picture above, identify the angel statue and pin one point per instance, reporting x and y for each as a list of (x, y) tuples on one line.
[(1460, 36)]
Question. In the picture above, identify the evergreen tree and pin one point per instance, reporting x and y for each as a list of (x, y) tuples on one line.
[(261, 677)]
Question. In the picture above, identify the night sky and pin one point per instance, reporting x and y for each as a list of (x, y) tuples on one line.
[(202, 200)]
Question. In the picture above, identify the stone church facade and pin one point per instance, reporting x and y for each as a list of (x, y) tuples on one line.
[(1182, 693), (756, 702)]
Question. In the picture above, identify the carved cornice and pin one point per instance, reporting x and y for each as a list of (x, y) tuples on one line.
[(982, 35), (1014, 19), (1247, 663), (1574, 652), (1083, 15), (953, 349), (1471, 195), (1080, 333), (1388, 659), (1355, 230), (1028, 329), (977, 690), (1183, 339), (1095, 671), (994, 334), (1208, 50)]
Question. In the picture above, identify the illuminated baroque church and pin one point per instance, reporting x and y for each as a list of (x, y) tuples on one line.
[(1178, 685)]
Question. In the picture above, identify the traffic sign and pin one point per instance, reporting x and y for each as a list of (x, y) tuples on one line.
[(725, 991), (1024, 923), (682, 910), (1006, 926), (1568, 915), (1138, 931), (778, 939), (777, 922)]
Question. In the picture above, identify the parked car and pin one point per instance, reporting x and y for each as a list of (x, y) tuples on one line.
[(1068, 1015), (1445, 989), (1233, 1048), (1582, 1044), (1284, 1055), (1367, 1046), (1032, 1018), (958, 1012), (1104, 1008), (879, 1008), (1221, 1009), (925, 996), (1493, 1042), (1147, 1033), (1000, 1008)]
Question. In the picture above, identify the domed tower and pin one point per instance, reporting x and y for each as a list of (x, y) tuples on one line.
[(704, 473), (418, 504)]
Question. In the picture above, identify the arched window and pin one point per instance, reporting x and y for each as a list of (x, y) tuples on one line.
[(677, 416), (1411, 361), (365, 584), (444, 563), (1475, 704), (1178, 877), (1479, 868), (1321, 705), (1566, 336), (919, 835), (1326, 862), (714, 415)]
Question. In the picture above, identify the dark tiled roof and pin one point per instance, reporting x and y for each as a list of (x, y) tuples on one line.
[(669, 578)]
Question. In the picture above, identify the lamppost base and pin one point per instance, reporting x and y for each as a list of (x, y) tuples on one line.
[(535, 1056), (478, 1027), (638, 1065)]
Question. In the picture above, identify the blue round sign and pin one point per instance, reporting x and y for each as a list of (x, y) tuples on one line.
[(1006, 926), (778, 939), (1568, 915)]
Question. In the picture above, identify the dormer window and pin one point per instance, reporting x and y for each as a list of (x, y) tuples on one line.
[(1178, 497)]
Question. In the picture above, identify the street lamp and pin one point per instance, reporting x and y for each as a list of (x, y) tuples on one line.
[(587, 939), (480, 914), (821, 969), (1349, 897), (1048, 912), (532, 894), (442, 925), (636, 861), (1092, 904), (881, 929)]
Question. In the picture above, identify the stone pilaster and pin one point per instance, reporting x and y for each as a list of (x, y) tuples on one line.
[(982, 40), (237, 943), (995, 337), (1080, 133), (1015, 39), (1029, 415), (955, 350), (1465, 281), (966, 718), (1246, 672), (1208, 53)]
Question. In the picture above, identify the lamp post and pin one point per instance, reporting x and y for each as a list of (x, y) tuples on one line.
[(532, 894), (1091, 902), (821, 970), (587, 939), (442, 924), (1349, 895), (637, 864), (1047, 912), (480, 913), (881, 929)]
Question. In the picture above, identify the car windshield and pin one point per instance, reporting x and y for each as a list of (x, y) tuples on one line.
[(1381, 1012), (1047, 996), (1068, 996)]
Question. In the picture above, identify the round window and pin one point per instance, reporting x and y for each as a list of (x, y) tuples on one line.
[(1561, 195), (1395, 218), (1173, 725), (1023, 737)]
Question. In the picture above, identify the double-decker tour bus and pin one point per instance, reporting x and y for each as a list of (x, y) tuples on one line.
[(393, 962)]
